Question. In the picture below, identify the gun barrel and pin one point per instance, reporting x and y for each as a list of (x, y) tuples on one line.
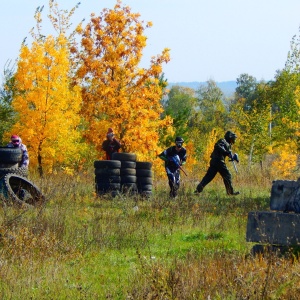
[(182, 170), (234, 165)]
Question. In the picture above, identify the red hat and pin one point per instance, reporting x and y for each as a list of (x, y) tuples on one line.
[(110, 130)]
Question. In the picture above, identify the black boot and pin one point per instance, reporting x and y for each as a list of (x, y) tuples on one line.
[(173, 193), (199, 189), (234, 193)]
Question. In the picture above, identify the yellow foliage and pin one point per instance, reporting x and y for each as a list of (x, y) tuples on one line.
[(158, 168), (47, 104), (210, 139), (117, 93), (191, 157), (296, 125), (286, 162)]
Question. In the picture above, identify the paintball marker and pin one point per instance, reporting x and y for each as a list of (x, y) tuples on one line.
[(176, 160), (234, 158)]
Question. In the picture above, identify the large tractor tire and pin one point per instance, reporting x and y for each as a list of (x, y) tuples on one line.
[(20, 191), (22, 171)]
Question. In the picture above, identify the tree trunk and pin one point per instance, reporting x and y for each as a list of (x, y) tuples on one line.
[(251, 153), (40, 167)]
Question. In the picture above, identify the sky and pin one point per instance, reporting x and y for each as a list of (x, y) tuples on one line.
[(208, 39)]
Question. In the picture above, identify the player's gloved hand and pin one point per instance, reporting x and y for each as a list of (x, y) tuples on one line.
[(235, 157)]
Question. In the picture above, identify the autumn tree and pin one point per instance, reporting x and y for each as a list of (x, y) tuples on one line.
[(252, 127), (286, 164), (47, 104), (296, 124), (284, 92), (116, 91), (48, 107), (284, 95), (7, 91), (180, 104), (246, 89), (211, 108)]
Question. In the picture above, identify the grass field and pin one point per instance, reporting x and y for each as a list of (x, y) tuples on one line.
[(80, 246)]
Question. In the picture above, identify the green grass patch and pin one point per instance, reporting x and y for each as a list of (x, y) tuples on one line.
[(84, 247)]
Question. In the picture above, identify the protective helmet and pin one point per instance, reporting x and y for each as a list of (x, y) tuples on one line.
[(230, 137), (179, 141), (15, 140)]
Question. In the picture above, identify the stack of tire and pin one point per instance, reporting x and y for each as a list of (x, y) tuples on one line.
[(127, 171), (9, 162), (144, 177), (107, 176), (14, 185)]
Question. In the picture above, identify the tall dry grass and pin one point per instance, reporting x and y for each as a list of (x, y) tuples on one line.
[(80, 246)]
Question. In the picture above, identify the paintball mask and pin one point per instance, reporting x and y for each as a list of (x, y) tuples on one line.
[(179, 141), (15, 140), (179, 144)]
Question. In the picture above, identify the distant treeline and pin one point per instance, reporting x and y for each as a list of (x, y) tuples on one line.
[(227, 87)]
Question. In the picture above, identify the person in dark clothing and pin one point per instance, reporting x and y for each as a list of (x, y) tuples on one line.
[(222, 149), (174, 157), (111, 144)]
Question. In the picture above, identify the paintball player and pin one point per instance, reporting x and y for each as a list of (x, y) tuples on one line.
[(111, 144), (222, 149), (174, 157), (16, 142)]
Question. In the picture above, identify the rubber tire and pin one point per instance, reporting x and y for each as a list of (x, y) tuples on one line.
[(109, 179), (106, 187), (107, 172), (14, 165), (109, 164), (23, 171), (11, 186), (10, 155), (124, 156), (128, 164), (144, 180), (145, 187), (128, 179), (129, 187), (143, 165), (146, 194), (144, 173), (127, 171)]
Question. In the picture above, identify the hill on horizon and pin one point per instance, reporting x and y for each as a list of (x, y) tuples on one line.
[(227, 87)]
